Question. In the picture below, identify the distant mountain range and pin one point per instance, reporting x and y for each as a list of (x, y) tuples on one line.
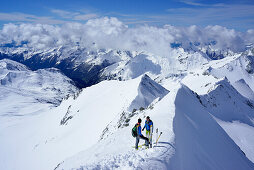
[(87, 67)]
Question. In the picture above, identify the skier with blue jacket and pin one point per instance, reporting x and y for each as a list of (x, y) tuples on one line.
[(149, 129), (139, 135)]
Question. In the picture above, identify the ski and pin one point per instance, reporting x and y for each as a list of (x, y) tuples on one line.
[(141, 146)]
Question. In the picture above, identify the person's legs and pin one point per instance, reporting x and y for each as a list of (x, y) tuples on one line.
[(137, 141), (146, 140), (147, 134), (151, 140)]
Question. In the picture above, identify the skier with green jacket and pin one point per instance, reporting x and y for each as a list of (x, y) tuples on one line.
[(139, 135)]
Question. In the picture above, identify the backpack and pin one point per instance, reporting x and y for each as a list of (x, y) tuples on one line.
[(134, 131)]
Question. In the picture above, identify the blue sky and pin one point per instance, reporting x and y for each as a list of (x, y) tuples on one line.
[(229, 13)]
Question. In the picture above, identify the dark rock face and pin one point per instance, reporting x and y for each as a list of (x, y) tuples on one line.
[(250, 66), (214, 56)]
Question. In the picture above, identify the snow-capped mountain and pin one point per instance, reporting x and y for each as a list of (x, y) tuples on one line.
[(31, 89), (200, 96)]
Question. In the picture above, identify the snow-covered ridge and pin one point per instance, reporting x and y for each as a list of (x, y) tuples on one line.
[(18, 83), (82, 118), (226, 103), (180, 124), (197, 133), (12, 65), (148, 91)]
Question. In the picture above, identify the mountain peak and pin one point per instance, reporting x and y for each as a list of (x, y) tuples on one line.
[(148, 91)]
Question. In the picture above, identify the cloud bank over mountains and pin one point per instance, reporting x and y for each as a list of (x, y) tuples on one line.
[(112, 33)]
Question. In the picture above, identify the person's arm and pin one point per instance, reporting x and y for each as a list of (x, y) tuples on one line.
[(139, 131), (151, 127), (144, 127)]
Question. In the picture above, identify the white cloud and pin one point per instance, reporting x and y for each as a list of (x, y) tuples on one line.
[(193, 3), (63, 14), (112, 33), (85, 16), (21, 17), (76, 16)]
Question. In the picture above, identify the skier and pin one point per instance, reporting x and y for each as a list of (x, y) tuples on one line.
[(139, 135), (149, 129)]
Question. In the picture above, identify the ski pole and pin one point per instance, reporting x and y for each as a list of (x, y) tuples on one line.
[(158, 138), (156, 133)]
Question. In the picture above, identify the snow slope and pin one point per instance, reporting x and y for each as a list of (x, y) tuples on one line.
[(75, 125), (199, 138), (242, 134), (31, 89), (117, 152), (148, 91), (225, 103), (238, 69), (244, 89), (191, 139), (228, 101)]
